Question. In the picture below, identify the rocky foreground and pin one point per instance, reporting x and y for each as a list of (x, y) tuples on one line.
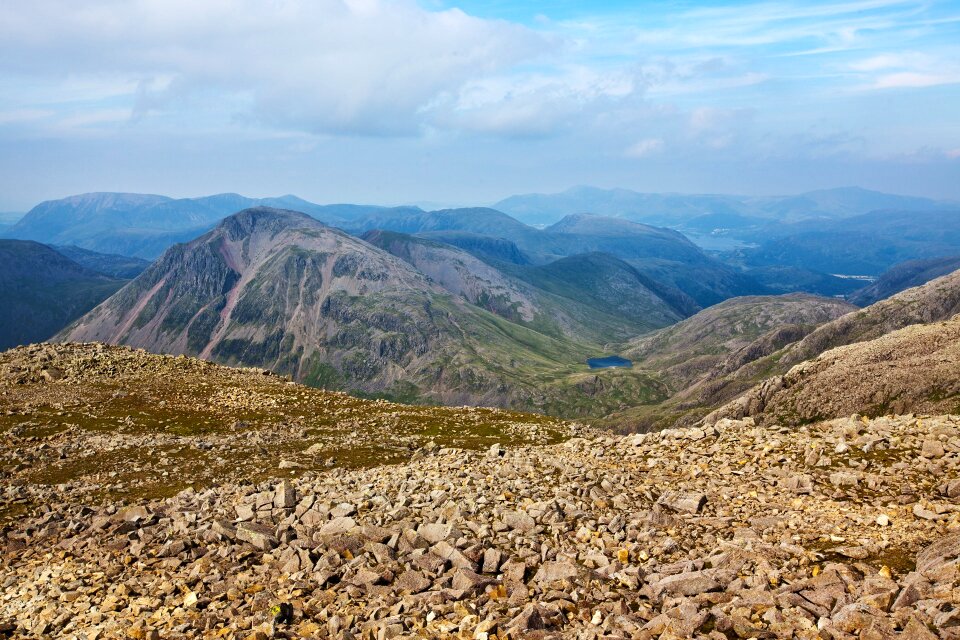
[(840, 529)]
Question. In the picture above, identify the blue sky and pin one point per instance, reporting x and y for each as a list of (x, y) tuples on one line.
[(468, 102)]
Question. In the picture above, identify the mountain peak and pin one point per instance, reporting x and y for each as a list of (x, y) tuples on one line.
[(264, 219)]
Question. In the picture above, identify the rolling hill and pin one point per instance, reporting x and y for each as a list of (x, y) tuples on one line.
[(683, 353), (664, 257)]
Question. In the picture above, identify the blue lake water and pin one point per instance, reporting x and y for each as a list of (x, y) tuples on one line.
[(608, 361)]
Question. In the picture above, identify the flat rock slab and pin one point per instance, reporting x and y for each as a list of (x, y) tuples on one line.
[(683, 502), (941, 556), (259, 535)]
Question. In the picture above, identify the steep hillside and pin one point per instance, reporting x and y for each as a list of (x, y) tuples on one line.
[(935, 301), (912, 370), (43, 291), (110, 264), (598, 298), (662, 256), (688, 350), (612, 285), (905, 275), (775, 352), (157, 497), (461, 274), (486, 248), (278, 289)]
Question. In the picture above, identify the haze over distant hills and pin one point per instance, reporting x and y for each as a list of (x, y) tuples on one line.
[(867, 244), (143, 225), (705, 211), (473, 305), (905, 275), (847, 230)]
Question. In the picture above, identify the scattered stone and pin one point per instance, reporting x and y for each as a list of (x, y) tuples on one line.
[(738, 530)]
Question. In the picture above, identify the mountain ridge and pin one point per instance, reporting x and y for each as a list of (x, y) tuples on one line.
[(283, 291)]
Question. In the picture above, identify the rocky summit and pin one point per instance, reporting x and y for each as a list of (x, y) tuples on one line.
[(842, 528)]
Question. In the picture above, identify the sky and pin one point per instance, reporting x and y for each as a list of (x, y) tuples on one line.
[(467, 102)]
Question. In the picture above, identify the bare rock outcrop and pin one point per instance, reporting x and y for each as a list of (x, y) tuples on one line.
[(910, 370)]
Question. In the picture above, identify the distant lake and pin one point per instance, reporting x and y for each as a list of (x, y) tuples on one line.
[(609, 361)]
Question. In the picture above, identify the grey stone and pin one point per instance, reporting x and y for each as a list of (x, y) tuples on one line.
[(259, 535), (683, 502)]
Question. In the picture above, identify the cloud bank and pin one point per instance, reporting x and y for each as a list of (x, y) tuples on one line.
[(389, 97)]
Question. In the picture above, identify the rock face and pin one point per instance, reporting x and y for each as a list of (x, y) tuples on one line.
[(934, 301), (837, 529)]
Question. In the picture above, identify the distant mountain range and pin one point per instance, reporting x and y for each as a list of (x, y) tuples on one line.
[(475, 306), (705, 211), (866, 244), (144, 226), (769, 245), (833, 231)]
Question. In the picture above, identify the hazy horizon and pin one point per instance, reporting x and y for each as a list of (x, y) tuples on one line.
[(389, 102), (429, 205)]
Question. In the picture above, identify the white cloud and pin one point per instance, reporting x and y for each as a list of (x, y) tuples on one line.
[(534, 104), (352, 66), (913, 79), (898, 60), (644, 148), (907, 69)]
